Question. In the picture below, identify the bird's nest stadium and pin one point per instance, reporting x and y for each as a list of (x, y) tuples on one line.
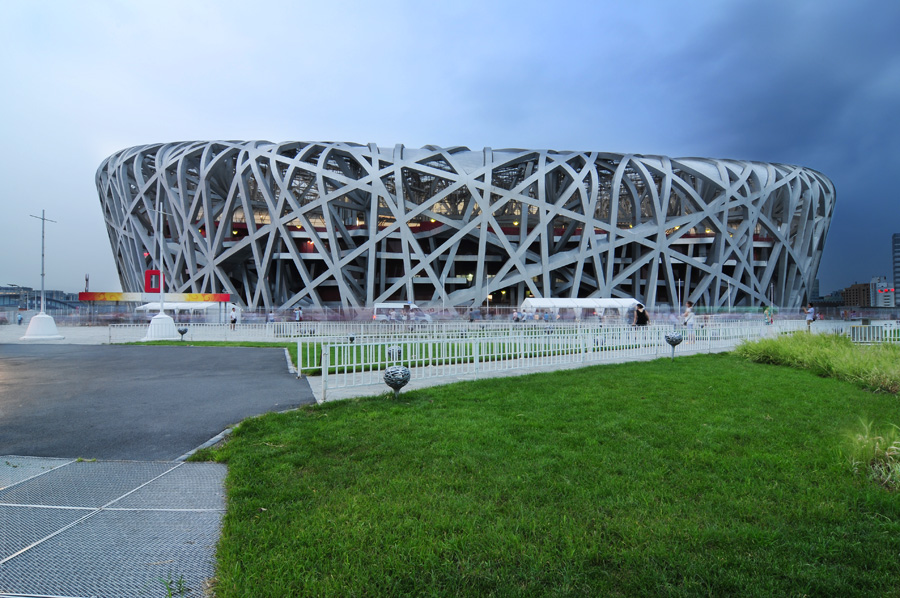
[(321, 224)]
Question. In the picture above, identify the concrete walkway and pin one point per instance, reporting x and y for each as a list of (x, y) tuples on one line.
[(74, 335)]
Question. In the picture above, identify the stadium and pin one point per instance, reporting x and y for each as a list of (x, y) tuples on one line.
[(322, 224)]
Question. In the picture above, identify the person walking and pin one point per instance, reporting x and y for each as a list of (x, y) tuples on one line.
[(687, 318), (19, 319), (810, 316), (641, 318), (233, 318)]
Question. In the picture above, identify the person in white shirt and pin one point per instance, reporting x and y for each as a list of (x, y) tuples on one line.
[(810, 315), (688, 316)]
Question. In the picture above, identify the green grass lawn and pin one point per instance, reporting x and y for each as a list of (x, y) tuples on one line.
[(709, 475)]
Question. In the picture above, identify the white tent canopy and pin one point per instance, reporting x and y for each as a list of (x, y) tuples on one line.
[(213, 311), (596, 304)]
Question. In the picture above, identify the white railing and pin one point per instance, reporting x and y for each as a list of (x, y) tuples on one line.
[(343, 363), (362, 330)]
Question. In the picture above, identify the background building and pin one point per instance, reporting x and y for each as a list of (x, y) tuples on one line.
[(881, 292), (895, 257), (857, 295), (342, 224)]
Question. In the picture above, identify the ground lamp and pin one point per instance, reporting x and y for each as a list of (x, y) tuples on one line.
[(674, 339), (396, 376)]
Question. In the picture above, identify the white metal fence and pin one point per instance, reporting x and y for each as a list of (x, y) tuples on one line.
[(344, 363), (362, 332), (350, 354)]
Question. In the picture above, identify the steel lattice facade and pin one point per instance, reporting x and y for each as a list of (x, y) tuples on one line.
[(320, 224)]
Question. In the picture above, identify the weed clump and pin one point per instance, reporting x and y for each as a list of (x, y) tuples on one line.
[(876, 454)]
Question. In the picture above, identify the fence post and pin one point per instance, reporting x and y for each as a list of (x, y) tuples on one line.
[(325, 358), (476, 346), (299, 361), (583, 342)]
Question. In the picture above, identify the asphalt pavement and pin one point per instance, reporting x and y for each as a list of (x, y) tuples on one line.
[(134, 402)]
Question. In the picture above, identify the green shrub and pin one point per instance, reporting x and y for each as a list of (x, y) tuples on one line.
[(875, 367)]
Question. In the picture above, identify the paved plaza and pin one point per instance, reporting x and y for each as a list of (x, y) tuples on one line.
[(95, 499)]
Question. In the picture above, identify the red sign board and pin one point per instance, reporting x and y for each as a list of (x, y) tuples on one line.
[(151, 281)]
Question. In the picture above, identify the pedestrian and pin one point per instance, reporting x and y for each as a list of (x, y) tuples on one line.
[(687, 318), (233, 318), (641, 318), (298, 314), (271, 316), (19, 319), (810, 315), (515, 316)]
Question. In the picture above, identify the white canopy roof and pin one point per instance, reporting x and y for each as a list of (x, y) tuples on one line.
[(182, 306), (531, 304)]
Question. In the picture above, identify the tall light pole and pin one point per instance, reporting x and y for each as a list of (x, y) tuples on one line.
[(487, 293), (43, 220), (161, 263), (42, 326), (162, 326), (678, 295), (729, 297)]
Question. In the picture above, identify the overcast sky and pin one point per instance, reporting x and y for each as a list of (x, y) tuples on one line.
[(815, 83)]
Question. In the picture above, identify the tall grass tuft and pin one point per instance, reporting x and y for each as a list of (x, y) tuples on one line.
[(876, 454), (874, 367)]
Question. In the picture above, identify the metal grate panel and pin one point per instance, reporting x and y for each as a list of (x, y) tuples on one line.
[(120, 553), (192, 486), (14, 469), (160, 523), (21, 527), (84, 484)]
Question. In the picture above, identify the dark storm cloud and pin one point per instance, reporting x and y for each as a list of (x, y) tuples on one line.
[(817, 84), (783, 77)]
